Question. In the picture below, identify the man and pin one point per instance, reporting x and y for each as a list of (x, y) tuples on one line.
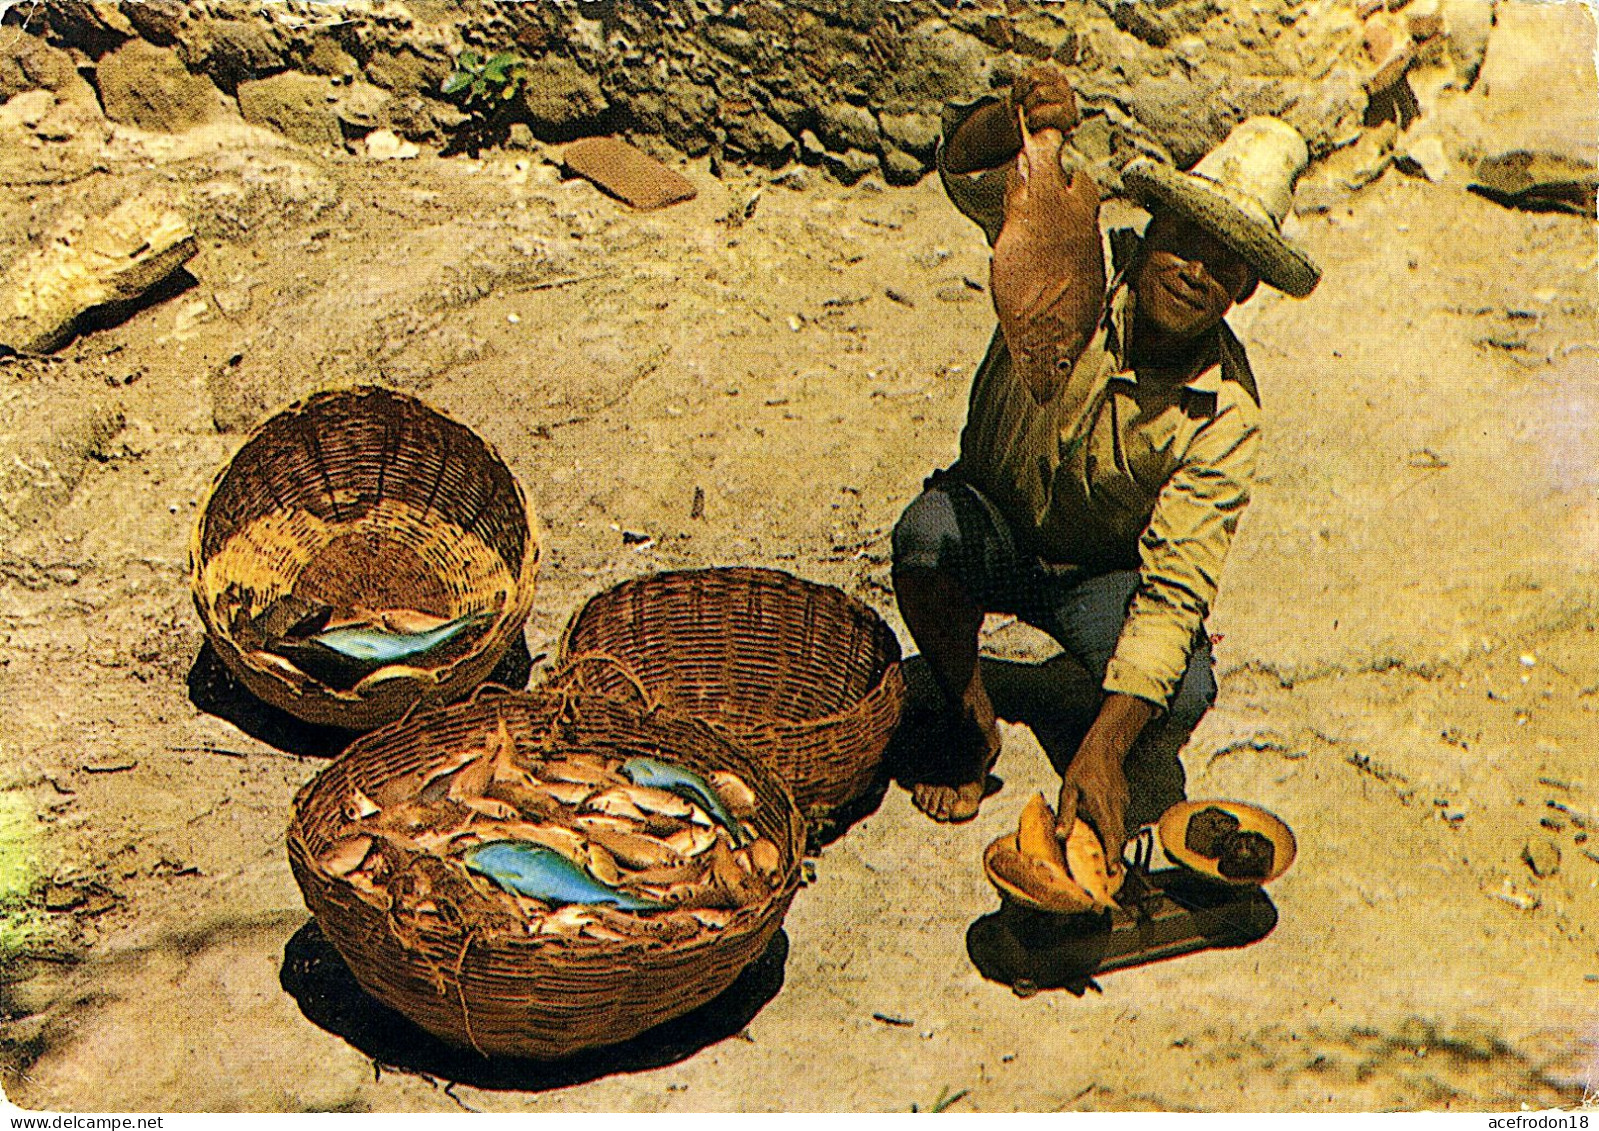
[(1109, 446)]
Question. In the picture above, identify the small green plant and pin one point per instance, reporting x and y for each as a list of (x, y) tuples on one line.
[(484, 83)]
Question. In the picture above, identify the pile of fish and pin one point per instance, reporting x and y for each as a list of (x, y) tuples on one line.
[(1034, 867), (574, 845), (341, 647)]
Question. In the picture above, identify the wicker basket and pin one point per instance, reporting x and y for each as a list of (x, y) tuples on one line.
[(800, 674), (543, 997), (367, 497)]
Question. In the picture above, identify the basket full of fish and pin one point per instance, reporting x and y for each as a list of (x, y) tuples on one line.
[(801, 674), (537, 873), (360, 554)]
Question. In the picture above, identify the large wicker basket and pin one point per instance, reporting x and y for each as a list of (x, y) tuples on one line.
[(369, 497), (540, 997), (802, 675)]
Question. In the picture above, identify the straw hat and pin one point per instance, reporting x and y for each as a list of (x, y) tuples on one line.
[(1240, 192)]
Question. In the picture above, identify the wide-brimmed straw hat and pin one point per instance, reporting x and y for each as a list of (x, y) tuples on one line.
[(1240, 192)]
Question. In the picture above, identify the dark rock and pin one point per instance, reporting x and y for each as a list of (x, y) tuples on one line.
[(900, 168), (793, 116), (737, 42), (849, 166), (91, 26), (856, 14), (560, 99), (147, 86), (233, 51), (325, 57), (1138, 18), (405, 70), (360, 107), (294, 104), (756, 138), (155, 20), (29, 63), (842, 126), (811, 149), (938, 63), (916, 134)]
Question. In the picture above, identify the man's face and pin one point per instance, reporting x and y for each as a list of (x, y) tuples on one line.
[(1187, 279)]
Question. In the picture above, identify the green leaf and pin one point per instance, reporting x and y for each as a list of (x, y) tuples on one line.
[(468, 60), (495, 69), (457, 81), (479, 88)]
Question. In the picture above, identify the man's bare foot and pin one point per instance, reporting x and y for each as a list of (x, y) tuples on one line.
[(960, 802)]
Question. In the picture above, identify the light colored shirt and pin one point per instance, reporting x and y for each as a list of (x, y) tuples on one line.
[(1147, 470)]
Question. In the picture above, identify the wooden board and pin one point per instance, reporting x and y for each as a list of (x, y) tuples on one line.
[(627, 173)]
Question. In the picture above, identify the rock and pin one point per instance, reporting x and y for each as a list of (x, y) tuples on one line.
[(385, 145), (49, 435), (149, 87), (405, 70), (520, 137), (86, 262), (28, 63), (1540, 56), (361, 107), (232, 51), (1542, 856), (296, 105), (939, 63), (1424, 157), (758, 139), (95, 25), (811, 149), (326, 57), (842, 126), (26, 110), (736, 41), (560, 99), (916, 134), (1041, 35), (1467, 24), (791, 115), (1538, 181), (849, 166), (900, 168), (1139, 19)]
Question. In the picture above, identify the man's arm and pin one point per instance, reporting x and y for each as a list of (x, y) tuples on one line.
[(1182, 552)]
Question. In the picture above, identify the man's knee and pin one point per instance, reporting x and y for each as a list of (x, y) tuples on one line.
[(926, 533)]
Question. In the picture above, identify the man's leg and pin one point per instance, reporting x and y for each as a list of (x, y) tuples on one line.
[(944, 619)]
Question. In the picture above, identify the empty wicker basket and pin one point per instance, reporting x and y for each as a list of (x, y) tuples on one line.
[(365, 497), (510, 995), (800, 674)]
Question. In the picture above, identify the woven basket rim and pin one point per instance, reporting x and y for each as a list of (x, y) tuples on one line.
[(500, 633), (894, 657)]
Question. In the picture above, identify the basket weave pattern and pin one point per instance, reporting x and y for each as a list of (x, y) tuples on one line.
[(366, 497), (802, 675), (543, 997)]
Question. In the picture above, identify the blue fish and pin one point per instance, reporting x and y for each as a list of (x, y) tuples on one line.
[(371, 644), (689, 786), (542, 873)]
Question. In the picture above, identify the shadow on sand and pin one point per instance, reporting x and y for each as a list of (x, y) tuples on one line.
[(315, 975), (217, 691)]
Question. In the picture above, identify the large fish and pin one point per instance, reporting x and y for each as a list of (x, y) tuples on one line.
[(342, 657), (686, 784), (542, 873)]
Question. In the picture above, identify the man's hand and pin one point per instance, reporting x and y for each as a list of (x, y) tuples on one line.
[(992, 135), (1094, 785), (1043, 94)]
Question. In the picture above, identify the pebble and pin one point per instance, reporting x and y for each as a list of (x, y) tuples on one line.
[(1542, 855)]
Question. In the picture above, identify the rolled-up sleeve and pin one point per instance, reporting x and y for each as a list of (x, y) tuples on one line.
[(980, 196), (1181, 554)]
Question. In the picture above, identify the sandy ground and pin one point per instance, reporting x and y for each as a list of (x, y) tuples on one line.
[(1409, 671)]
